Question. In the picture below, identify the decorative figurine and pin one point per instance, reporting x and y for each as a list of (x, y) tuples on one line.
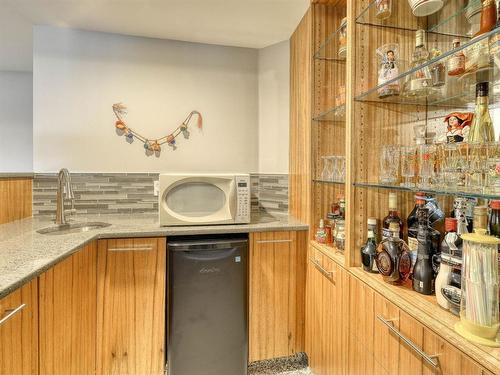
[(383, 9), (458, 126), (388, 70)]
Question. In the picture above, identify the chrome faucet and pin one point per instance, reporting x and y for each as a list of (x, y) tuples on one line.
[(64, 190)]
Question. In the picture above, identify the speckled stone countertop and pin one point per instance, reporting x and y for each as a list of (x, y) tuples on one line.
[(24, 253)]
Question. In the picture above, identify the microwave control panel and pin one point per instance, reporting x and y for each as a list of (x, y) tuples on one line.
[(243, 196)]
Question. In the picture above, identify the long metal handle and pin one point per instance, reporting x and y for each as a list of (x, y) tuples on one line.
[(319, 267), (11, 313), (273, 241), (433, 360), (132, 248)]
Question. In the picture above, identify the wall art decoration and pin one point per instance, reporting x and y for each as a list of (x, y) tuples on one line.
[(152, 146)]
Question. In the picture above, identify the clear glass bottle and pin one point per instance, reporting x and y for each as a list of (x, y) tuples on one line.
[(438, 70), (389, 68), (321, 232), (419, 83), (456, 63), (481, 130)]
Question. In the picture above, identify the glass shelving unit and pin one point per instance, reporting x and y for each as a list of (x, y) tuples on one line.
[(328, 51), (333, 114), (328, 181), (436, 191), (458, 92), (438, 23)]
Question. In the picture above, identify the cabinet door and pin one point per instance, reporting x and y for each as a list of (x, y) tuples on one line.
[(131, 306), (386, 343), (276, 294), (19, 331), (68, 315), (451, 360), (410, 362)]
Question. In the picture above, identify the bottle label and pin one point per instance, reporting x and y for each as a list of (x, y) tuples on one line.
[(387, 233), (413, 245)]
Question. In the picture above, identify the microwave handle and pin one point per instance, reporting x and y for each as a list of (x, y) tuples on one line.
[(233, 199)]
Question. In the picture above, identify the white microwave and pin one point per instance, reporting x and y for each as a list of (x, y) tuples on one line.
[(196, 199)]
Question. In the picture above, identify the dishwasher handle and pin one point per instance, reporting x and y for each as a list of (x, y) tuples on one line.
[(209, 245)]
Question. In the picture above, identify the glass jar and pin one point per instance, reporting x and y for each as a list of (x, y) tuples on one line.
[(456, 63), (384, 9), (342, 53), (479, 312), (389, 67), (438, 70), (340, 234)]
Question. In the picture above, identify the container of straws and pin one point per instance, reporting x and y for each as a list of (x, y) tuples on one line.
[(479, 311)]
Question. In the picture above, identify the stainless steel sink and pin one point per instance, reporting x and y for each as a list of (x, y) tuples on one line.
[(72, 228)]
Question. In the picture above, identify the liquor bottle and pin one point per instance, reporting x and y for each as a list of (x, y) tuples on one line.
[(494, 221), (419, 83), (463, 211), (481, 130), (456, 63), (369, 250), (435, 215), (393, 259), (423, 272), (450, 246), (320, 232), (488, 17), (392, 217)]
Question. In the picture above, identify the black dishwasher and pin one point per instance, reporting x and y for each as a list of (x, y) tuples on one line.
[(207, 305)]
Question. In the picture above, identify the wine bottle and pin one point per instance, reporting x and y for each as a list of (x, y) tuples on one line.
[(481, 130), (423, 272), (392, 217)]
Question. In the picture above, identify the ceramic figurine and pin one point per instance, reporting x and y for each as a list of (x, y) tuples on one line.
[(458, 126), (388, 70)]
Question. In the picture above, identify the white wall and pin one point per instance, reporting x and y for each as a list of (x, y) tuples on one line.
[(274, 107), (78, 75), (16, 119)]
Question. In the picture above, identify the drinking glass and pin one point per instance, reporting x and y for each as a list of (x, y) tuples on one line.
[(335, 168), (326, 174), (492, 183), (476, 170), (450, 175), (408, 164), (426, 165), (389, 164), (460, 160), (342, 164)]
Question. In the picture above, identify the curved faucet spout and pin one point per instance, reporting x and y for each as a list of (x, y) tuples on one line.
[(64, 190)]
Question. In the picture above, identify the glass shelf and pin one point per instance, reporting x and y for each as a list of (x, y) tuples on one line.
[(333, 114), (426, 190), (457, 92), (328, 51), (438, 23), (329, 181)]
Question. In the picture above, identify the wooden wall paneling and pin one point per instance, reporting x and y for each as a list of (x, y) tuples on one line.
[(68, 297), (277, 294), (15, 199), (19, 334), (300, 170), (131, 306)]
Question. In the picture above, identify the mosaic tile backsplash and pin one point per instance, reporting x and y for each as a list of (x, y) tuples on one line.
[(112, 193)]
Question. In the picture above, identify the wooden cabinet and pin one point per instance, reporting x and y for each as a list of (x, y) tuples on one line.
[(326, 316), (68, 315), (19, 331), (277, 264), (131, 306)]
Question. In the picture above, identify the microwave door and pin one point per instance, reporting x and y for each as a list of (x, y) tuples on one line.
[(200, 201)]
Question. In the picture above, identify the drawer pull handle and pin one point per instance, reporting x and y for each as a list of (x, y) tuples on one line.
[(273, 241), (11, 312), (319, 267), (137, 248), (433, 360)]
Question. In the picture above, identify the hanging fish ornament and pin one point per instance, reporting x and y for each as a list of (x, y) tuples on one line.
[(120, 110)]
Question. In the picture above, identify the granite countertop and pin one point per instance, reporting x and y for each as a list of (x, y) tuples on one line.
[(25, 254)]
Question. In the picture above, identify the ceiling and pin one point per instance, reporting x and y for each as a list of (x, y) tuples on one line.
[(242, 23)]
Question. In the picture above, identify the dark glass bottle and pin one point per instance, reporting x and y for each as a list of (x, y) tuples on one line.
[(423, 271), (368, 253), (392, 217), (412, 224), (494, 222)]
